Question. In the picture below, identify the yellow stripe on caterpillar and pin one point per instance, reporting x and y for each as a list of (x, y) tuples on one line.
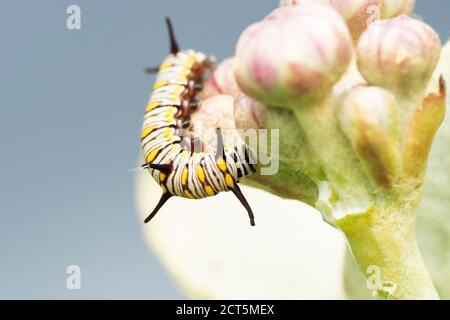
[(184, 176), (229, 180), (152, 155), (200, 173), (168, 133), (175, 148), (190, 62), (175, 99), (221, 164), (170, 112), (184, 155), (160, 84), (152, 105), (188, 194), (165, 66), (145, 132), (209, 191)]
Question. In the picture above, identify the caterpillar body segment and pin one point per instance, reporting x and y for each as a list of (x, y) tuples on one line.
[(174, 160)]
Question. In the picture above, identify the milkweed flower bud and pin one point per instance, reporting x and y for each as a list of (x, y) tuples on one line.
[(248, 113), (214, 112), (359, 14), (395, 8), (373, 105), (368, 117), (399, 54), (222, 81), (293, 56)]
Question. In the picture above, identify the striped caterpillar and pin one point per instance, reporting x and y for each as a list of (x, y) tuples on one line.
[(169, 156)]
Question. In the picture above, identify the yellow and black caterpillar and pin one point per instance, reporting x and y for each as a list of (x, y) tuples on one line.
[(179, 170)]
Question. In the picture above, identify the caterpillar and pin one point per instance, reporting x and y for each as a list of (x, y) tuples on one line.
[(171, 159)]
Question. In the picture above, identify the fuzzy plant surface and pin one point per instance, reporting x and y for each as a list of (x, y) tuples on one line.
[(347, 84), (433, 225)]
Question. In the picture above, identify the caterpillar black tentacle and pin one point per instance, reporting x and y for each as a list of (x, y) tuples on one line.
[(174, 159), (238, 193), (220, 147), (163, 168), (165, 196), (174, 48), (151, 70)]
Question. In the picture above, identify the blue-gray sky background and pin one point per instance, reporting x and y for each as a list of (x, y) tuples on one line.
[(71, 106)]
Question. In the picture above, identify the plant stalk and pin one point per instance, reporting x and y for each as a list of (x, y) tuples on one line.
[(383, 242)]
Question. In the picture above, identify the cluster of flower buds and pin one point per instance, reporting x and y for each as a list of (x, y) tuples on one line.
[(365, 101), (296, 58), (347, 80)]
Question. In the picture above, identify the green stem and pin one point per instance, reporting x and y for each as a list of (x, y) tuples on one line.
[(384, 245), (334, 152), (379, 225)]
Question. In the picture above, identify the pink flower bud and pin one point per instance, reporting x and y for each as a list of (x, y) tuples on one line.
[(214, 112), (395, 8), (222, 81), (399, 54), (248, 113), (359, 14), (294, 55), (289, 2), (371, 106), (368, 117)]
